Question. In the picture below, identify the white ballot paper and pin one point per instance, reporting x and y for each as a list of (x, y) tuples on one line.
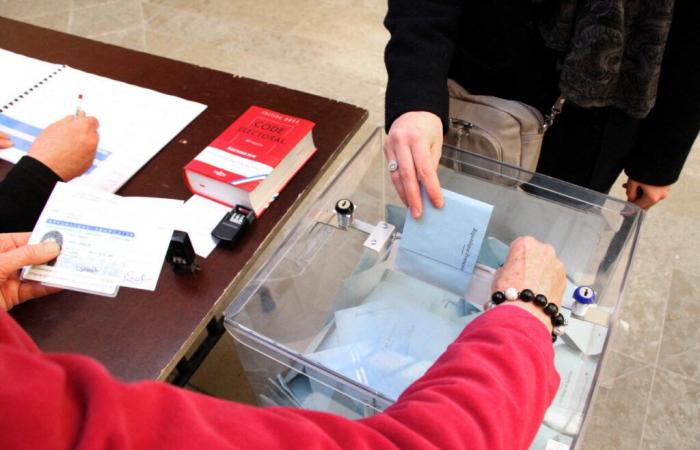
[(145, 260), (107, 241)]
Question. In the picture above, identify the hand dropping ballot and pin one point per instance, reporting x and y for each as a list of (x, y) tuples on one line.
[(104, 245), (443, 245)]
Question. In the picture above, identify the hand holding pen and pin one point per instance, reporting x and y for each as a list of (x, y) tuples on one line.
[(68, 146)]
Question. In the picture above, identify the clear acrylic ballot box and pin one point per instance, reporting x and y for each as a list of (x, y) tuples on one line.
[(331, 322)]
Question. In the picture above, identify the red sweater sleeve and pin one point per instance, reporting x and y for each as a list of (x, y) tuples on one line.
[(489, 390)]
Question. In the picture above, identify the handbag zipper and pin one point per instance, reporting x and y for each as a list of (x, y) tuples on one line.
[(462, 128), (465, 128)]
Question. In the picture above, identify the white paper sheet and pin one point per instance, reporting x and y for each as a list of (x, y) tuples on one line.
[(198, 216), (19, 73), (156, 218), (135, 123)]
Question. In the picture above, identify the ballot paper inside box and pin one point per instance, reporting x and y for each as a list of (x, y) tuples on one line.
[(335, 323)]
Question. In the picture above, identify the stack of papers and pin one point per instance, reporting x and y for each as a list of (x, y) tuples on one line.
[(397, 332)]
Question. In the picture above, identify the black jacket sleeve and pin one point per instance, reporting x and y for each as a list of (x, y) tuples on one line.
[(23, 194), (666, 135), (418, 56)]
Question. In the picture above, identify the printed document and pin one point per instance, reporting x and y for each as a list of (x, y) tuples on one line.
[(93, 238), (107, 241), (135, 123), (156, 217)]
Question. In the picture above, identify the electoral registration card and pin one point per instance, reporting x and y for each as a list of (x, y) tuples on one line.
[(94, 236)]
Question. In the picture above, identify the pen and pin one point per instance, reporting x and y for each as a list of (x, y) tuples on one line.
[(78, 106)]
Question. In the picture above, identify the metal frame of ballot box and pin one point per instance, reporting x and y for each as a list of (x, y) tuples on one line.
[(309, 325)]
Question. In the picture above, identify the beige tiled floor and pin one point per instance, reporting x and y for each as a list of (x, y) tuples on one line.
[(650, 392)]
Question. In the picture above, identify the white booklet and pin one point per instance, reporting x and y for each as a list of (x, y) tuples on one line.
[(135, 123), (107, 241)]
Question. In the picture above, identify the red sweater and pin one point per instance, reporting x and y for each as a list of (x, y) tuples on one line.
[(489, 390)]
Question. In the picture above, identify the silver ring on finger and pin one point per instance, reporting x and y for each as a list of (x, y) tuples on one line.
[(393, 165)]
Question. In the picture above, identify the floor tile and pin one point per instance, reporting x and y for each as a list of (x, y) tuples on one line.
[(271, 45), (645, 300), (55, 21), (376, 108), (132, 38), (272, 14), (106, 18), (77, 4), (684, 198), (326, 23), (185, 50), (617, 366), (617, 415), (680, 347), (19, 9), (674, 409), (221, 374), (323, 81)]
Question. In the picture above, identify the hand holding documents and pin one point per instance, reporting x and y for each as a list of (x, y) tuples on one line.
[(94, 240), (106, 241)]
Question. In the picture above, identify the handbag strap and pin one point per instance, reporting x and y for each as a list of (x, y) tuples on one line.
[(553, 113)]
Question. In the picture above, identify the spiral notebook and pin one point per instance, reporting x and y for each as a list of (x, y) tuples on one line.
[(135, 123)]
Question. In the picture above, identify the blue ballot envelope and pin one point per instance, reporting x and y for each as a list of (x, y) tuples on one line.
[(442, 246), (346, 312)]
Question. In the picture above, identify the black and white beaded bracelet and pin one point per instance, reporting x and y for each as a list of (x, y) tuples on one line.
[(526, 295)]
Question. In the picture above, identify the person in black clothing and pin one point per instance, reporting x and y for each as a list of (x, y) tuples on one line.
[(627, 69), (63, 151)]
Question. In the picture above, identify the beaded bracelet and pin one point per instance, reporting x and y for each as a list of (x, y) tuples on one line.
[(526, 295)]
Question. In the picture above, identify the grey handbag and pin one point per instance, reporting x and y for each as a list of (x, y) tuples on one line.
[(504, 130)]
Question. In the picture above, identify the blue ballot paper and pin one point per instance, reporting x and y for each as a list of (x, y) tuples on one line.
[(383, 370), (398, 329), (442, 246)]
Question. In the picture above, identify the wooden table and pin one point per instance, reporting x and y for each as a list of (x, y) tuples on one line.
[(141, 334)]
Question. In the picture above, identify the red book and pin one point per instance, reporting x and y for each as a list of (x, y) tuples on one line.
[(252, 160)]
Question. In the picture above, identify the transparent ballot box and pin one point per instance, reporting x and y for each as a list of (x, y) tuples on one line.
[(333, 321)]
